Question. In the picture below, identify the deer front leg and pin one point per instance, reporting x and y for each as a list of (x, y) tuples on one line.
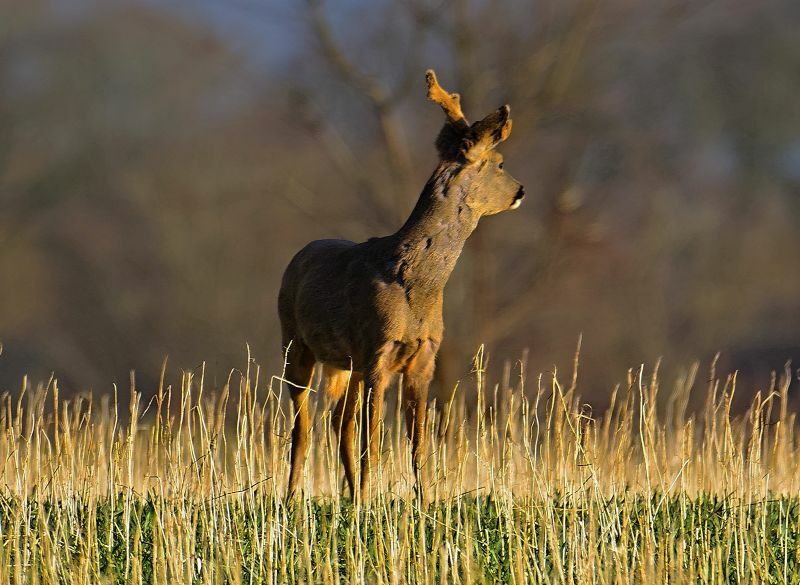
[(416, 381), (415, 403), (371, 418)]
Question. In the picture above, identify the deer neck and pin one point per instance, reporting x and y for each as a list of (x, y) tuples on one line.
[(426, 248)]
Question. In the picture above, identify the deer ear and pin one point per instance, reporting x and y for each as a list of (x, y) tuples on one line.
[(485, 134)]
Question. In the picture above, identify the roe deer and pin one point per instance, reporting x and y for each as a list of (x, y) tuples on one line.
[(368, 311)]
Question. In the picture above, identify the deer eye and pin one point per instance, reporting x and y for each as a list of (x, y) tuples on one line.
[(501, 165)]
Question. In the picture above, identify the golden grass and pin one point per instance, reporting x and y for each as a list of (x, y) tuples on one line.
[(527, 486)]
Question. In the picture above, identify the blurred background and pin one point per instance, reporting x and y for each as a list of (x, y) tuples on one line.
[(161, 161)]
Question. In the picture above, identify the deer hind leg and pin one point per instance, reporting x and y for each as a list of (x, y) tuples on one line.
[(344, 422), (299, 368), (371, 418)]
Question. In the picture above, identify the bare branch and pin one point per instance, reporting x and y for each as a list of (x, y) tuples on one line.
[(381, 99), (366, 84), (346, 163), (553, 90)]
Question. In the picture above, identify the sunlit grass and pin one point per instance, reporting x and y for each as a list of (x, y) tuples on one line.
[(186, 485)]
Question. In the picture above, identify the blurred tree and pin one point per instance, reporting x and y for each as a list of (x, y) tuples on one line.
[(154, 180)]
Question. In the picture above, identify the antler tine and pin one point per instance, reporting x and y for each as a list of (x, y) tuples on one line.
[(449, 102)]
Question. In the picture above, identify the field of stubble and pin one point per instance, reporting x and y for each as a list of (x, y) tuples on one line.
[(185, 485)]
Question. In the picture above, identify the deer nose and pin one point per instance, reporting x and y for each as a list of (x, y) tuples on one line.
[(518, 197)]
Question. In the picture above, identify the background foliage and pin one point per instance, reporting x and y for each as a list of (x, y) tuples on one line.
[(161, 162)]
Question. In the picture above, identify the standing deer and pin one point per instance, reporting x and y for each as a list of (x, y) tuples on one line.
[(368, 311)]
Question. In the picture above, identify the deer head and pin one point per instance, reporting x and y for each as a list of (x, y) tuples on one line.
[(479, 173)]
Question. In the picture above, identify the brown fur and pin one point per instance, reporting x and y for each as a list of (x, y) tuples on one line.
[(375, 308)]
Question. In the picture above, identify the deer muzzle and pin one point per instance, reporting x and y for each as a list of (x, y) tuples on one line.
[(518, 197)]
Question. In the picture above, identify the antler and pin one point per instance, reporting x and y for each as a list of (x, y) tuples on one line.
[(449, 102)]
